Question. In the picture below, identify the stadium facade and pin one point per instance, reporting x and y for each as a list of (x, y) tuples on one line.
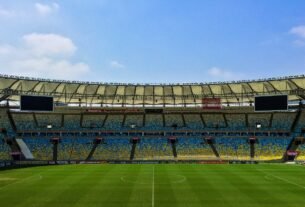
[(117, 122)]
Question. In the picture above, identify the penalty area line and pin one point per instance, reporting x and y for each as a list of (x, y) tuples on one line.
[(282, 179), (20, 181)]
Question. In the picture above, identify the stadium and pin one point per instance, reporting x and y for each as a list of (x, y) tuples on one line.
[(171, 132)]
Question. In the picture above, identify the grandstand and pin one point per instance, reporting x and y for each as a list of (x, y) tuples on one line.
[(201, 144), (145, 122)]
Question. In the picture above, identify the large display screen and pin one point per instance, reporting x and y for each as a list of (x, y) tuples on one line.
[(36, 103), (271, 103), (154, 111)]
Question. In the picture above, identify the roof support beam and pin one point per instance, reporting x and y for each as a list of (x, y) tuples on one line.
[(94, 95), (300, 92), (115, 95), (173, 96), (74, 92)]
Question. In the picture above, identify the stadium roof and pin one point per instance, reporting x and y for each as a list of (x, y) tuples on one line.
[(11, 87)]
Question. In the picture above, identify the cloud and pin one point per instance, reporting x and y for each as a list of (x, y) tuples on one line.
[(7, 13), (44, 56), (49, 44), (220, 74), (50, 68), (299, 31), (40, 8), (6, 49), (116, 64), (46, 9), (299, 43)]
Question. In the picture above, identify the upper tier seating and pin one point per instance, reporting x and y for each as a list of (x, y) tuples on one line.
[(193, 121), (214, 120), (153, 121), (24, 121), (114, 122), (283, 121), (93, 121), (4, 120), (49, 119), (72, 121), (301, 123), (236, 121), (173, 119), (261, 118), (137, 120)]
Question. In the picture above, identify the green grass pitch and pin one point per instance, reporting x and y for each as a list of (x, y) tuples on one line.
[(150, 185)]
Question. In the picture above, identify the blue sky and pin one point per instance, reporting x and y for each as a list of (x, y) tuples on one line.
[(155, 41)]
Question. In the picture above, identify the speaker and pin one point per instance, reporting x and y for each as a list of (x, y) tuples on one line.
[(134, 140), (98, 141), (55, 140), (209, 140), (252, 141), (290, 158), (175, 126), (172, 140)]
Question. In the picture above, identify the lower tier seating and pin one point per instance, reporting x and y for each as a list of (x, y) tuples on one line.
[(75, 148), (41, 148), (153, 149), (113, 149), (4, 151), (233, 148), (193, 149), (271, 148)]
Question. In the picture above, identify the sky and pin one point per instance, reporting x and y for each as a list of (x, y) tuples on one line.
[(152, 41)]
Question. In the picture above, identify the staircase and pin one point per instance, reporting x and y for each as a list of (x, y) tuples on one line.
[(296, 121), (293, 146), (95, 144), (15, 150), (252, 150), (132, 152), (24, 149), (173, 144), (55, 143), (134, 142), (12, 122), (210, 142)]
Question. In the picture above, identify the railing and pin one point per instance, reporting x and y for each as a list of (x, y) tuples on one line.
[(151, 133)]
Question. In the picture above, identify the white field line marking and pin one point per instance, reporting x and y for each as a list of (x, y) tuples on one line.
[(283, 179), (288, 181), (20, 181), (181, 180), (153, 189)]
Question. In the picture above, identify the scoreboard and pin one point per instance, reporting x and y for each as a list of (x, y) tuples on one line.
[(271, 103), (36, 103)]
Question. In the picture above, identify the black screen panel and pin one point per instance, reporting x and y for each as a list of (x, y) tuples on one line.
[(154, 111), (36, 103), (271, 103)]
